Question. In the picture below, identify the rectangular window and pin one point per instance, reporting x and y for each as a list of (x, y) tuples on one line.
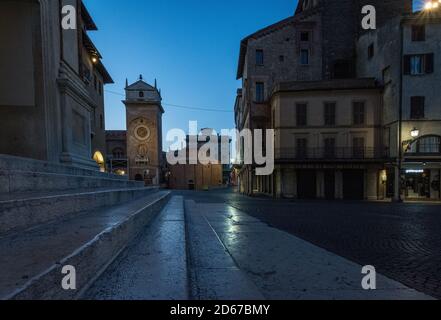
[(358, 147), (330, 113), (387, 77), (416, 65), (419, 64), (417, 107), (304, 36), (301, 114), (358, 113), (419, 32), (371, 51), (260, 92), (329, 151), (304, 57), (95, 82), (302, 148), (259, 57)]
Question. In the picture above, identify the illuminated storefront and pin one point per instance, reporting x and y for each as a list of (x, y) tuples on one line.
[(422, 169)]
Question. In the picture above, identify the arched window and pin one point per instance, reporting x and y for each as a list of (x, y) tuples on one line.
[(141, 94), (426, 145)]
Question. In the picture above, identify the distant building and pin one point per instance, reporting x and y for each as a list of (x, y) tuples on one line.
[(137, 152), (198, 176), (51, 89)]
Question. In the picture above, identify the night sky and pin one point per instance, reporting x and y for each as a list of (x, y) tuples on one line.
[(190, 46)]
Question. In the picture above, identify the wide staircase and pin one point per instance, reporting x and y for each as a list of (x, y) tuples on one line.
[(52, 216)]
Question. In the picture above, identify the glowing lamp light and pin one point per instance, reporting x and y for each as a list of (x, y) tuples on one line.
[(94, 59), (435, 4), (415, 133)]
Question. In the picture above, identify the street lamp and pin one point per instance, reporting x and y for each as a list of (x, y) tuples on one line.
[(415, 133), (433, 4)]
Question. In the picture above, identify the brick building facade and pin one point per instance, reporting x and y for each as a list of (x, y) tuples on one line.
[(311, 64)]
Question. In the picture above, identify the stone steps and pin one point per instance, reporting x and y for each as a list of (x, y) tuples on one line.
[(20, 212), (11, 163), (154, 265), (12, 181), (31, 262)]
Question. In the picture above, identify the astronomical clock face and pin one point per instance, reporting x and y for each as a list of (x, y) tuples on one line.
[(141, 130)]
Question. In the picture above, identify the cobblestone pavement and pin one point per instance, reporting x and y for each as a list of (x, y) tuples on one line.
[(403, 241)]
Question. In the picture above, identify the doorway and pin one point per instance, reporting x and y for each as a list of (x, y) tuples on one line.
[(353, 184), (306, 184), (330, 184)]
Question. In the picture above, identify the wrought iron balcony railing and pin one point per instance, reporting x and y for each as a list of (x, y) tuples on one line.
[(337, 153)]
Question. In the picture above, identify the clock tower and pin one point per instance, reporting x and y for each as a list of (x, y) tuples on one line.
[(144, 131)]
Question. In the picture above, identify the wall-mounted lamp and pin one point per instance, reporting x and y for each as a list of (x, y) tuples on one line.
[(94, 59), (415, 133)]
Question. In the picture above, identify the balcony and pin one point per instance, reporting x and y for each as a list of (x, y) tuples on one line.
[(330, 154)]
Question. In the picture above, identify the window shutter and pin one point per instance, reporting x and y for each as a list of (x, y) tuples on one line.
[(429, 62), (406, 64)]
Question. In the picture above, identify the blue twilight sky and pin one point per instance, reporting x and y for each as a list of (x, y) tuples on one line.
[(190, 46)]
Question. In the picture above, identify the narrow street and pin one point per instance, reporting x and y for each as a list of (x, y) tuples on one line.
[(221, 245)]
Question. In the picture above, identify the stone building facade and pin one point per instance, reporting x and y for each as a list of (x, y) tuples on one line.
[(327, 140), (198, 176), (404, 55), (309, 64), (51, 89)]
